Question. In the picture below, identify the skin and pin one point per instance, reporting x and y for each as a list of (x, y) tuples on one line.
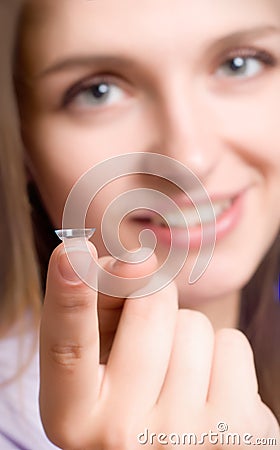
[(227, 133)]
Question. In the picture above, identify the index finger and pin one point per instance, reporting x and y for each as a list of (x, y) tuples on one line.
[(69, 345)]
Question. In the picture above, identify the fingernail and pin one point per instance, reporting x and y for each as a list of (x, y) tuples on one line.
[(76, 264)]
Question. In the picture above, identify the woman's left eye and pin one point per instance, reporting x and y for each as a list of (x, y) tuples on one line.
[(241, 67), (96, 94)]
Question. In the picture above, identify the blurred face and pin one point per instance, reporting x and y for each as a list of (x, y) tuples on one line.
[(197, 81)]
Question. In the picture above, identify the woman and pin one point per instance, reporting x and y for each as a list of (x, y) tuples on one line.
[(180, 85)]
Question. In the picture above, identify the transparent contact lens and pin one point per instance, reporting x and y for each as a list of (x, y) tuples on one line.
[(72, 233)]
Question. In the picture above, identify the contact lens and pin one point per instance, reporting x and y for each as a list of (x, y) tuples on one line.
[(72, 233)]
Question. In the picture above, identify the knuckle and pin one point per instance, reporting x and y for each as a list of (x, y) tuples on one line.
[(66, 440), (232, 338), (55, 432), (70, 431), (66, 355), (197, 319), (117, 438), (230, 335), (78, 300)]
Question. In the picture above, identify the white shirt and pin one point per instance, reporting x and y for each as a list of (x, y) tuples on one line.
[(20, 424)]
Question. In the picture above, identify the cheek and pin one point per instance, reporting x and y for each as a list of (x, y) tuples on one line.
[(251, 129), (93, 135), (74, 144), (62, 147), (54, 166), (251, 126), (255, 135), (62, 150)]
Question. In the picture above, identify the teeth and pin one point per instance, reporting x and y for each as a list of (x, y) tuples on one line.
[(192, 216)]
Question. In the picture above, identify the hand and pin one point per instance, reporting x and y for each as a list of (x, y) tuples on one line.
[(166, 372)]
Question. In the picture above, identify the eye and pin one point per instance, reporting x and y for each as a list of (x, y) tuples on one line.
[(245, 66), (240, 67), (96, 94)]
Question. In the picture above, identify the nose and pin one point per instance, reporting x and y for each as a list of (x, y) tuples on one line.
[(188, 129)]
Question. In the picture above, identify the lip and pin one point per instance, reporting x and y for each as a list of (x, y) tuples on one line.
[(225, 223)]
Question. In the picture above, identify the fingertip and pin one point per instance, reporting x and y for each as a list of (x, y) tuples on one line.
[(74, 243), (73, 262)]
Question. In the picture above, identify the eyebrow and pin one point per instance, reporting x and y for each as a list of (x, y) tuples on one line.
[(251, 33), (119, 61), (81, 61)]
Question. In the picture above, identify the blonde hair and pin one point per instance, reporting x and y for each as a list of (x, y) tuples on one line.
[(19, 281)]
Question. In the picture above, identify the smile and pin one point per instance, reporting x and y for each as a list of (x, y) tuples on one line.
[(227, 213), (190, 216)]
